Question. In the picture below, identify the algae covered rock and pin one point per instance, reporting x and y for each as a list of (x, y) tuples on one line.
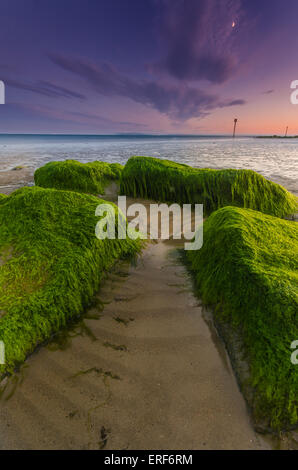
[(167, 181), (72, 175), (248, 270), (51, 264)]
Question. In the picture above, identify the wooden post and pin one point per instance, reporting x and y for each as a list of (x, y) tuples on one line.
[(286, 134), (235, 124)]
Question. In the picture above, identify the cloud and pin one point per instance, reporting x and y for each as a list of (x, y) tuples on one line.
[(234, 103), (59, 90), (199, 37), (178, 101), (97, 119), (81, 118), (44, 88), (268, 92)]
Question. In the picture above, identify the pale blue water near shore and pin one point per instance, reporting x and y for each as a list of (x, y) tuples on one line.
[(276, 159)]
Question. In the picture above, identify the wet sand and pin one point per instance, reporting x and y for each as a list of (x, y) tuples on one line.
[(142, 370), (11, 180)]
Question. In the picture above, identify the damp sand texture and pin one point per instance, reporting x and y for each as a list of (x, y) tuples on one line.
[(143, 371)]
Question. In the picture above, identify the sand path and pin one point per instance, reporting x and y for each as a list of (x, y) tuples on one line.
[(144, 370)]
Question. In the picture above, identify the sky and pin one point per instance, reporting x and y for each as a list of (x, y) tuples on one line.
[(148, 66)]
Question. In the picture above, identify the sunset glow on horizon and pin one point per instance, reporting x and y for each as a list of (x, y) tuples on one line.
[(158, 66)]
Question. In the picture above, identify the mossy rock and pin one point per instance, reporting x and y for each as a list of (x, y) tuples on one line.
[(51, 264), (248, 270), (167, 181), (72, 175)]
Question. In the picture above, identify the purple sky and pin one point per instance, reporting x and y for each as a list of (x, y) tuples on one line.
[(165, 66)]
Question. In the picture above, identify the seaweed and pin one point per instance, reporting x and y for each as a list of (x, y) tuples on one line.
[(167, 181), (51, 265), (72, 175), (248, 271)]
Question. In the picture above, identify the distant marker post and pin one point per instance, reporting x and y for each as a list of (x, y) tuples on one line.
[(235, 124)]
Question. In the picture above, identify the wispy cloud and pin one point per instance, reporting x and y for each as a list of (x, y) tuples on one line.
[(200, 38), (178, 101), (45, 88), (97, 119), (82, 118)]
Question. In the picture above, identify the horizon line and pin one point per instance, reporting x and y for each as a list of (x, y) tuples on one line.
[(130, 134)]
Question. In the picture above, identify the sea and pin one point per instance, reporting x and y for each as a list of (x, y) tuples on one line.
[(276, 159)]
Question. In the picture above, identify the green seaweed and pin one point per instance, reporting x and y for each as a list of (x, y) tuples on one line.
[(72, 175), (167, 181), (248, 270), (51, 264)]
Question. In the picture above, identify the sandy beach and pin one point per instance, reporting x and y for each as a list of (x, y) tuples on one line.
[(146, 373), (144, 369), (178, 113)]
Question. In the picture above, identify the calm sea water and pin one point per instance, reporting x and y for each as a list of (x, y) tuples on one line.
[(275, 159)]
